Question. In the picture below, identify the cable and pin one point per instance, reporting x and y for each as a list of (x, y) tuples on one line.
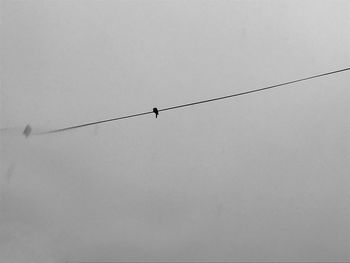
[(97, 122), (197, 102)]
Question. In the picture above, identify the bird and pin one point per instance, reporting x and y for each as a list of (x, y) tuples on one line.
[(155, 110)]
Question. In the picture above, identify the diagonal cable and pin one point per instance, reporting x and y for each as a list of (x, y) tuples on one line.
[(197, 102)]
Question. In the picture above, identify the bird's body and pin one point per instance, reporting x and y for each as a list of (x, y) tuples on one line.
[(155, 110)]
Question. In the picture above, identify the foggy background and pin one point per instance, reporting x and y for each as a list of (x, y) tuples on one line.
[(256, 178)]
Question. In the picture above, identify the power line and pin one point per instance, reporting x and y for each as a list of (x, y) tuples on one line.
[(197, 102)]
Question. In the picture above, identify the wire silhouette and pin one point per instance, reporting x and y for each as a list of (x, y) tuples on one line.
[(195, 103)]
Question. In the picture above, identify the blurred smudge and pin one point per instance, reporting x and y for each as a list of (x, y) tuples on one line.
[(10, 172), (27, 131)]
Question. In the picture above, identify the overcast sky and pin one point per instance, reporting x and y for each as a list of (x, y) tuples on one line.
[(258, 177)]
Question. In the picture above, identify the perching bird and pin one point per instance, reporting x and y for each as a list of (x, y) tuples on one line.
[(155, 110)]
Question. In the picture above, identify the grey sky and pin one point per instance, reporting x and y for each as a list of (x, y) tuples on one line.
[(260, 177)]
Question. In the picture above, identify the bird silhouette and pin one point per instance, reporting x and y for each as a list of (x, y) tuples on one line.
[(155, 110)]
